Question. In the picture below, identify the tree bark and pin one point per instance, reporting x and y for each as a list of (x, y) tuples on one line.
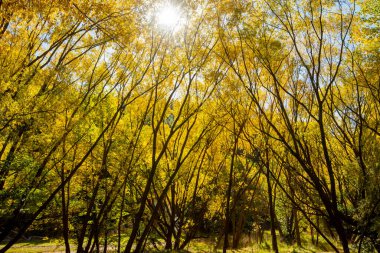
[(229, 191), (271, 212)]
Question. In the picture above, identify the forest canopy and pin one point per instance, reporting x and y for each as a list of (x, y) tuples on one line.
[(144, 125)]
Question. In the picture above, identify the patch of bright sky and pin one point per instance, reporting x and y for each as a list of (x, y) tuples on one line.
[(168, 16)]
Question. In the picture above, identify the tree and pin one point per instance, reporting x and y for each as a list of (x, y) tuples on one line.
[(246, 115)]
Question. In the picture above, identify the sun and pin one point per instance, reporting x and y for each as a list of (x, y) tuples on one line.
[(169, 16)]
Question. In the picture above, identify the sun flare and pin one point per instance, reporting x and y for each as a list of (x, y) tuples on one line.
[(169, 16)]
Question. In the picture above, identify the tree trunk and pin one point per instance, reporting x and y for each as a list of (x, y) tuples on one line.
[(229, 191), (65, 217), (238, 229), (272, 213), (297, 228), (342, 235)]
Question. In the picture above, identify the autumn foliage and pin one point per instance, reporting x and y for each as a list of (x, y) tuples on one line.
[(248, 116)]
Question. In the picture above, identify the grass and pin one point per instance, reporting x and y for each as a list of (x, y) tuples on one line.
[(55, 246), (38, 246), (264, 247), (45, 245)]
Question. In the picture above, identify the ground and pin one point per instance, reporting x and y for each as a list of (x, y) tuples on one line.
[(45, 245)]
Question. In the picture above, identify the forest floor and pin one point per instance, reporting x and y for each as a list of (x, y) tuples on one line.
[(47, 245)]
